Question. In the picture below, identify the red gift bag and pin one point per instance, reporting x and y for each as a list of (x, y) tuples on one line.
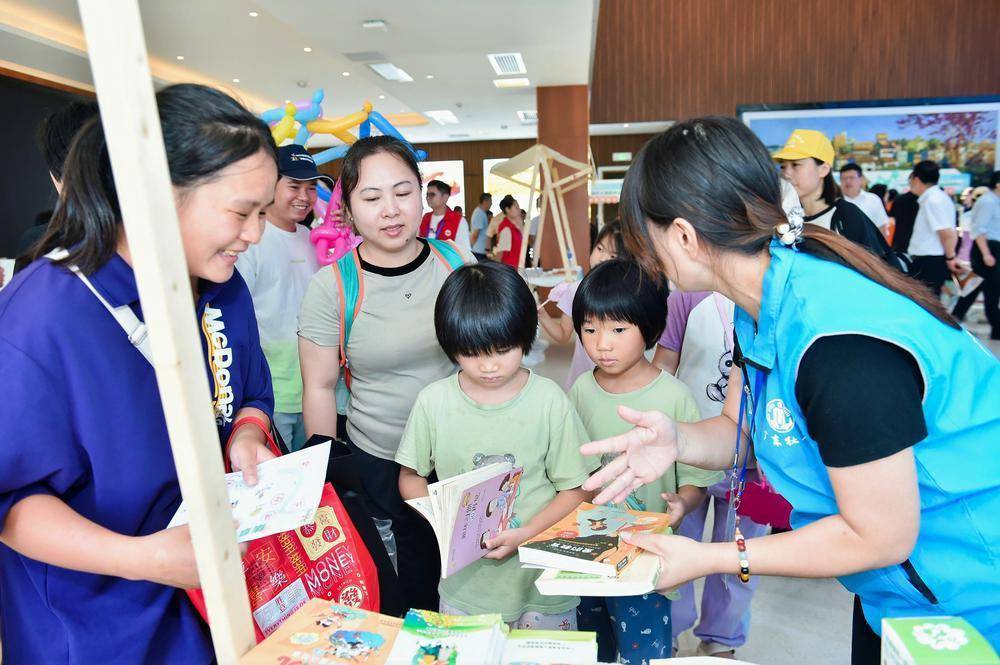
[(324, 559), (761, 503)]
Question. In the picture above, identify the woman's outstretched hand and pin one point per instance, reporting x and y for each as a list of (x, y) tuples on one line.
[(647, 451)]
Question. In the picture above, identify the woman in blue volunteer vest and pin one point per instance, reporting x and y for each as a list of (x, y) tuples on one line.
[(87, 482), (866, 406)]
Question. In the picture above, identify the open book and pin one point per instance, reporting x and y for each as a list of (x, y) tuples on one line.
[(587, 540), (467, 510)]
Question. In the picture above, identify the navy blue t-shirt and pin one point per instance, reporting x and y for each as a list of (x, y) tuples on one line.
[(81, 420)]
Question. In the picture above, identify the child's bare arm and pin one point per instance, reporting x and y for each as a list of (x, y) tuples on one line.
[(560, 330), (411, 484), (688, 498), (559, 507)]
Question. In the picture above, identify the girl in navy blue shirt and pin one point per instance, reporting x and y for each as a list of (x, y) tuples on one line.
[(87, 479)]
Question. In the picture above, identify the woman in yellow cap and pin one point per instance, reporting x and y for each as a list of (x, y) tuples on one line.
[(807, 163)]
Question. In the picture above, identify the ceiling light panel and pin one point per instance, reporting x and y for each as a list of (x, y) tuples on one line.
[(506, 64), (442, 117), (390, 72), (512, 83)]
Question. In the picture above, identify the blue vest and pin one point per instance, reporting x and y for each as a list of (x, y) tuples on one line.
[(954, 568)]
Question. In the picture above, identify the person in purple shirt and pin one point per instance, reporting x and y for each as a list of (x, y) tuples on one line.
[(88, 572)]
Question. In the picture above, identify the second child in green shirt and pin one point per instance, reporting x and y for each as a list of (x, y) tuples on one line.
[(619, 313), (495, 410)]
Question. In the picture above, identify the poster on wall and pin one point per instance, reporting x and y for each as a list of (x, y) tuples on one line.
[(501, 187), (886, 139), (451, 172)]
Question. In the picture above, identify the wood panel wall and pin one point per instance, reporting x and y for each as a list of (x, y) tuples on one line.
[(674, 59)]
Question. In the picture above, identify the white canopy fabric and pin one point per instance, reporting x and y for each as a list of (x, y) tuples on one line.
[(530, 158)]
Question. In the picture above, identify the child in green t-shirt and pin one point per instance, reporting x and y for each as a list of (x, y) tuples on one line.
[(495, 410), (619, 314)]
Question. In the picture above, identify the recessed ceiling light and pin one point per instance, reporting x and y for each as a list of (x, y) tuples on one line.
[(180, 57), (345, 73), (430, 76), (375, 24), (381, 96), (390, 72), (442, 117), (625, 125), (236, 80), (511, 83), (307, 49), (253, 15)]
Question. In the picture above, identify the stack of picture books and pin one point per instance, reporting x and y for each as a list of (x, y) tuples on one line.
[(467, 510), (584, 555), (324, 633)]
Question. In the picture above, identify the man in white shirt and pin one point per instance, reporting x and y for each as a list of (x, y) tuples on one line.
[(986, 236), (442, 222), (277, 271), (934, 240), (850, 182)]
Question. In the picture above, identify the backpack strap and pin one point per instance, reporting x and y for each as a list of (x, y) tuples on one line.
[(126, 318), (447, 253), (350, 293)]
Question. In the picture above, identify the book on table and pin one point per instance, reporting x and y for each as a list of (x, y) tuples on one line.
[(467, 510), (429, 638), (325, 632), (588, 540)]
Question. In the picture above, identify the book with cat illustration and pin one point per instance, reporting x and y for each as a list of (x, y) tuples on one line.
[(587, 540), (467, 510)]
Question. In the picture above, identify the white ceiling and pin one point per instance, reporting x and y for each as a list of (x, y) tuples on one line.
[(448, 39)]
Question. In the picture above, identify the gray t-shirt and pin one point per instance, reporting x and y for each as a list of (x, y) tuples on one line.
[(393, 350), (480, 223)]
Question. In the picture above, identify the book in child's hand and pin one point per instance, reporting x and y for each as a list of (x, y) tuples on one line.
[(637, 579), (324, 632), (440, 639), (587, 540), (467, 510)]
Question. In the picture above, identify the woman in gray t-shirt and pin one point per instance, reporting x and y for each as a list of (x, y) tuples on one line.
[(393, 350)]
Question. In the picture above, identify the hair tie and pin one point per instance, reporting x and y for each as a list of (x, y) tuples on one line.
[(790, 232)]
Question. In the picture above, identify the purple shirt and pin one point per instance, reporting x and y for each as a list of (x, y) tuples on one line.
[(679, 306), (81, 420)]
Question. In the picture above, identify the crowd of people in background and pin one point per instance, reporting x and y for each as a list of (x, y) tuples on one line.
[(442, 398)]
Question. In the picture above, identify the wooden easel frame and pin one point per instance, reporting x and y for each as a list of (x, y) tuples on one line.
[(120, 66), (546, 180)]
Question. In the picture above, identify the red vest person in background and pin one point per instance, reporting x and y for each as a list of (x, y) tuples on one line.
[(507, 248), (442, 222)]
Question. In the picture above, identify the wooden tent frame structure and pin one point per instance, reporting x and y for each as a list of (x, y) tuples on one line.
[(545, 163), (120, 65)]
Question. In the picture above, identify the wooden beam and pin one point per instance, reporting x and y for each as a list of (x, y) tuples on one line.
[(118, 58)]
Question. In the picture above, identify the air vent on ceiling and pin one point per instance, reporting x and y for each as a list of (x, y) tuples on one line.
[(390, 72), (366, 56), (458, 136), (507, 63), (528, 117)]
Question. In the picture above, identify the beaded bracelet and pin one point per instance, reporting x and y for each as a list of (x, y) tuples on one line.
[(741, 546)]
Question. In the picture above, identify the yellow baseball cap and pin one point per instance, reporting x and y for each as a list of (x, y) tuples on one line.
[(807, 143)]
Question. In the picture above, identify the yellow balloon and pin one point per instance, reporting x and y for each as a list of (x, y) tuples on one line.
[(284, 128), (338, 127)]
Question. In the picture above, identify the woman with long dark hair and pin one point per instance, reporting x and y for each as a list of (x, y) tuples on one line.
[(867, 407), (88, 570)]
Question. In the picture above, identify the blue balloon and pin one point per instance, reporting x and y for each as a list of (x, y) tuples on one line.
[(384, 125), (421, 155), (365, 130), (322, 191), (302, 136), (336, 152)]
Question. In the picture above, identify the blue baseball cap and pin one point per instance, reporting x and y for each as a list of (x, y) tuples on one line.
[(295, 162)]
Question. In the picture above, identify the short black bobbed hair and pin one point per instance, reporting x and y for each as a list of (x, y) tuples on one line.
[(506, 202), (851, 166), (619, 290), (485, 308)]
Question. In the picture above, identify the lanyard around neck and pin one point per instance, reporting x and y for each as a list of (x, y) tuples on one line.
[(737, 480)]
